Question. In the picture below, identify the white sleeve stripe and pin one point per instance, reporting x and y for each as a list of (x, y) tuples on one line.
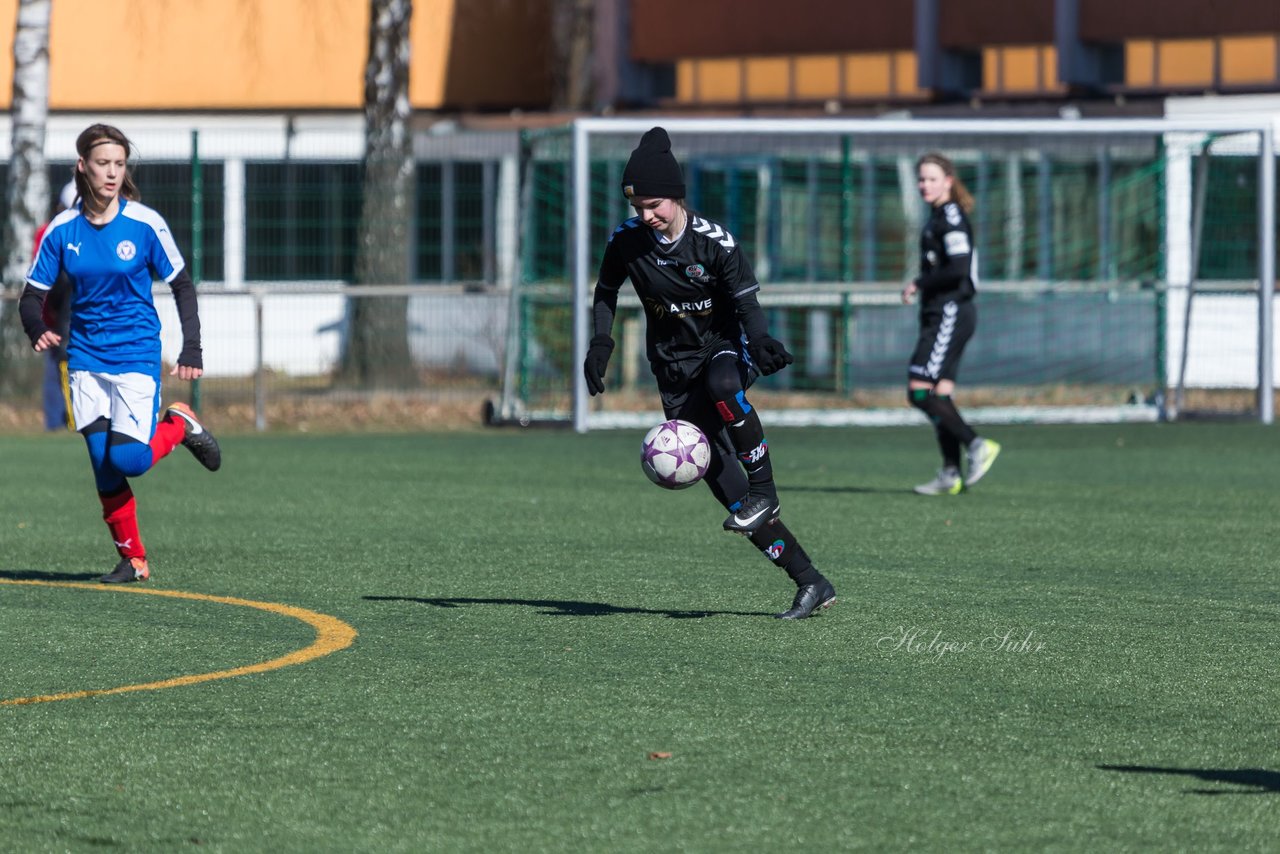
[(62, 217), (40, 286), (144, 214)]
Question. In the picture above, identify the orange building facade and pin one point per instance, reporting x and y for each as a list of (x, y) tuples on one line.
[(755, 54), (710, 55), (247, 55)]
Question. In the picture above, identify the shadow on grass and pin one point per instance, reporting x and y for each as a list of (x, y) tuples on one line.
[(848, 490), (1260, 780), (567, 608), (37, 575)]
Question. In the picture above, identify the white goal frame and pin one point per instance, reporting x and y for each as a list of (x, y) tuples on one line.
[(584, 268)]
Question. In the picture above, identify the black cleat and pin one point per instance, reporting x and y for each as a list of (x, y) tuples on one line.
[(128, 569), (196, 438), (755, 512), (810, 598)]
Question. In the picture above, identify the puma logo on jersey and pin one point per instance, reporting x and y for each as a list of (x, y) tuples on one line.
[(75, 247)]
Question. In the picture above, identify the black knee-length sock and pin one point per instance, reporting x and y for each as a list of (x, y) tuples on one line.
[(779, 545)]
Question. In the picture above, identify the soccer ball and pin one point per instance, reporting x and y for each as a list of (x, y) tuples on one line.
[(675, 454)]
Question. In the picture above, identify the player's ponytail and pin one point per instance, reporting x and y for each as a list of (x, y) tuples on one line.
[(959, 192), (89, 139)]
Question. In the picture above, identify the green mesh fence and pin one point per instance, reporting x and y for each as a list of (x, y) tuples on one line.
[(1073, 234)]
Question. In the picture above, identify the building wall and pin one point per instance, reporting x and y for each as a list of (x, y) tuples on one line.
[(731, 52), (667, 30), (481, 55), (1108, 20), (746, 53), (979, 23), (281, 54)]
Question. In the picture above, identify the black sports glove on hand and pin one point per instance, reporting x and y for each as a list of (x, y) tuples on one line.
[(769, 355), (598, 352)]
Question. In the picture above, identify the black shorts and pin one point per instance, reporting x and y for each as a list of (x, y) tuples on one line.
[(943, 334), (692, 401)]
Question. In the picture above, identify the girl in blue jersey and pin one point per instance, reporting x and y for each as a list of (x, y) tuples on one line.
[(112, 247)]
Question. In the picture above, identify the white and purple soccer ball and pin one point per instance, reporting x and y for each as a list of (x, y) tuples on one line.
[(675, 454)]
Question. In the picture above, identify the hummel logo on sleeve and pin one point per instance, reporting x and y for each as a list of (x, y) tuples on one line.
[(715, 232)]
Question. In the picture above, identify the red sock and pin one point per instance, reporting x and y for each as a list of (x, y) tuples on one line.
[(168, 435), (120, 512)]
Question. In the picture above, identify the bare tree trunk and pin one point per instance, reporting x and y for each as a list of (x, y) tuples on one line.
[(27, 191), (378, 347), (571, 31)]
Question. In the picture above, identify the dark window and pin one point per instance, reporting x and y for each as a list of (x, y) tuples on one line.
[(301, 220)]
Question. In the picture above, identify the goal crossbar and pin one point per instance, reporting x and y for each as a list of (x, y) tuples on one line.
[(927, 132)]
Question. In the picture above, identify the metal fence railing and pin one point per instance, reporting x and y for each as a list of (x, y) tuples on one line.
[(275, 354)]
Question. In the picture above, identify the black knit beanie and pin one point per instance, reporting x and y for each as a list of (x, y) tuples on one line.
[(652, 169)]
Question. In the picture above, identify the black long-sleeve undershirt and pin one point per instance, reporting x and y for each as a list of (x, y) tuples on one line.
[(752, 317), (184, 295), (604, 306)]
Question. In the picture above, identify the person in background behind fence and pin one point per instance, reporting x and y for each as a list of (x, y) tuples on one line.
[(707, 342), (111, 245), (57, 316), (945, 287)]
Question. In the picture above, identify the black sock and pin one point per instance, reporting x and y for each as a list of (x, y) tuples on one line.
[(779, 545), (949, 418), (747, 434), (932, 406), (949, 445)]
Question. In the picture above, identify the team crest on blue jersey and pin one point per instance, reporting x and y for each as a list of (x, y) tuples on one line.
[(125, 250)]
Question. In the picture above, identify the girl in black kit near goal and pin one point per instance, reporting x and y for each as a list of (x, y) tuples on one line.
[(707, 341), (945, 287)]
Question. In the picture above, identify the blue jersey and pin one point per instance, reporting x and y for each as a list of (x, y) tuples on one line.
[(114, 325)]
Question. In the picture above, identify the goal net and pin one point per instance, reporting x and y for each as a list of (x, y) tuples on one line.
[(1126, 267)]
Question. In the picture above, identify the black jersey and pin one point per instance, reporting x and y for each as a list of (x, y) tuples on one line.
[(948, 269), (691, 290)]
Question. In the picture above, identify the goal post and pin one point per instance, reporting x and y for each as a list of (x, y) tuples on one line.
[(1098, 281)]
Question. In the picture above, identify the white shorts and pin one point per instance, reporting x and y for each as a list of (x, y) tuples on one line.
[(129, 401)]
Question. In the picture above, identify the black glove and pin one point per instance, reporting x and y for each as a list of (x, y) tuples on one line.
[(769, 355), (598, 352)]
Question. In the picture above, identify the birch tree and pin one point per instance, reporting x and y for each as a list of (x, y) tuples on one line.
[(378, 344), (27, 190)]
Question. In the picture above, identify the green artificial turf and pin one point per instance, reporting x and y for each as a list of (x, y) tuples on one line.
[(1078, 654)]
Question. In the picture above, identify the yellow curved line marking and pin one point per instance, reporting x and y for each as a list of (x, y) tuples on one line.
[(332, 635)]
